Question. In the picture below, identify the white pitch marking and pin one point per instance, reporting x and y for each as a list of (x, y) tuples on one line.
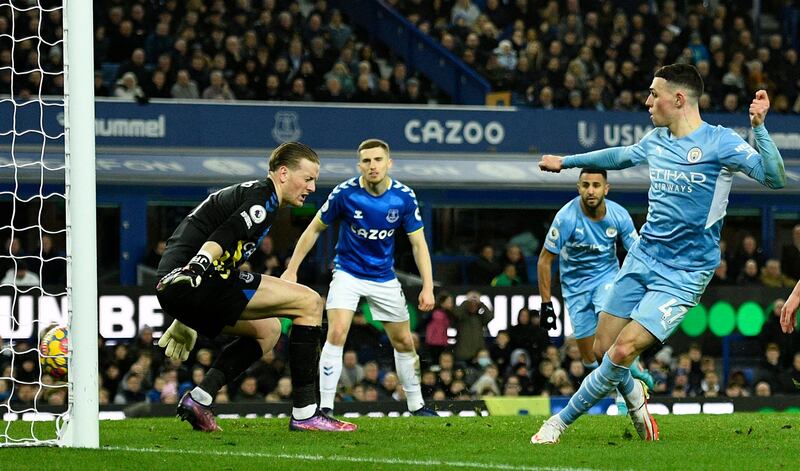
[(349, 459)]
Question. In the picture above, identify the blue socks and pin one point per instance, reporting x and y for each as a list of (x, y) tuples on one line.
[(595, 387)]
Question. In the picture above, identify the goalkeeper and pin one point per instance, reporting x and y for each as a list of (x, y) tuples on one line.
[(202, 288)]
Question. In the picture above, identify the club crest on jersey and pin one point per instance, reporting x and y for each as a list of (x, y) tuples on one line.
[(694, 155), (611, 232), (246, 276), (393, 215)]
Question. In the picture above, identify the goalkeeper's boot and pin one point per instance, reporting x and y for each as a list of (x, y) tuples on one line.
[(321, 422), (425, 411), (643, 422), (201, 417), (550, 431)]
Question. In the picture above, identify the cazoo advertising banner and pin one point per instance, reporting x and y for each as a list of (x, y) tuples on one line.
[(456, 129)]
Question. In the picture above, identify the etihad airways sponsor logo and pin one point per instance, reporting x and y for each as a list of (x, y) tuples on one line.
[(675, 180)]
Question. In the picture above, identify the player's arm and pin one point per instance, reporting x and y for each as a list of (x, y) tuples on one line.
[(613, 158), (628, 235), (544, 268), (772, 174), (304, 245), (789, 310), (422, 257)]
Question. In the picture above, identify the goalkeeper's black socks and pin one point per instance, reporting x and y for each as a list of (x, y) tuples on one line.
[(235, 358), (304, 345)]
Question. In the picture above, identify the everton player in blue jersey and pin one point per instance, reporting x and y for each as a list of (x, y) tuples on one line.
[(692, 164), (371, 209)]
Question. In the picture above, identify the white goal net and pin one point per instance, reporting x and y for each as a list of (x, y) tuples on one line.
[(48, 390)]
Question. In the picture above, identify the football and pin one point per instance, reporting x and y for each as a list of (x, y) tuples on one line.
[(54, 348)]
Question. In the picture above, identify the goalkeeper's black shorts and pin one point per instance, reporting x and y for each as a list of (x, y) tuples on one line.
[(215, 303)]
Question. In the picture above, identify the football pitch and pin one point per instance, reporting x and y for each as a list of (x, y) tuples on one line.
[(698, 442)]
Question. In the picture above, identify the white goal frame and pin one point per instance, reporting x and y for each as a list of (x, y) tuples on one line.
[(82, 429)]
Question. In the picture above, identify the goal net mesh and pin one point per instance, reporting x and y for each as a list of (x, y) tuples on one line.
[(33, 219)]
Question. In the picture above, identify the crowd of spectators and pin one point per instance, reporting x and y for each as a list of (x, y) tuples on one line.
[(600, 55), (519, 361), (749, 266), (591, 54)]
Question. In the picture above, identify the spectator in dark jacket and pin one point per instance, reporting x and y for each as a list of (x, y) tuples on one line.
[(471, 317), (485, 267), (529, 335)]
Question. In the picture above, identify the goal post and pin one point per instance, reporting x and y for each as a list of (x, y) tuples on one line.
[(82, 427)]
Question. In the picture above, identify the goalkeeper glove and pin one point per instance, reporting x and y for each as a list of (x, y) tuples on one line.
[(548, 316), (178, 341), (192, 273)]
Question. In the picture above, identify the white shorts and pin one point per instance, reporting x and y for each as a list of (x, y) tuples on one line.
[(386, 300)]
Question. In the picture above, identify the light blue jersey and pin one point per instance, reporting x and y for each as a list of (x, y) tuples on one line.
[(586, 248), (368, 223), (690, 179), (670, 265), (587, 260)]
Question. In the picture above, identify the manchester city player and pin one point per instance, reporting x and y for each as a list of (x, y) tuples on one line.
[(667, 269), (584, 236), (371, 209)]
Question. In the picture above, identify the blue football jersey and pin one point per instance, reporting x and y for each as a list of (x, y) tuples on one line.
[(690, 180), (367, 226), (586, 248)]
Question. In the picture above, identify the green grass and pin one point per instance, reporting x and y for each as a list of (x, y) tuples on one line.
[(698, 442)]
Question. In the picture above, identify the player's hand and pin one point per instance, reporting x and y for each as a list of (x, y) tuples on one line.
[(548, 316), (789, 314), (178, 341), (192, 273), (289, 276), (758, 108), (550, 163), (426, 300)]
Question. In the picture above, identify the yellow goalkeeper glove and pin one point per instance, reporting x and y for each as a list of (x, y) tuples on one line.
[(178, 341)]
